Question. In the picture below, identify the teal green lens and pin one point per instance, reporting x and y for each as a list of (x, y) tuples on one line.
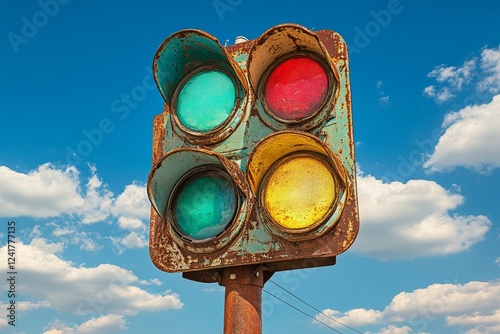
[(205, 101), (205, 205)]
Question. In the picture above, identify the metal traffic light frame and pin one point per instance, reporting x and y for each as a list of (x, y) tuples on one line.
[(252, 240)]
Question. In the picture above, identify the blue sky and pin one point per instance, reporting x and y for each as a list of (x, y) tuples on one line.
[(425, 80)]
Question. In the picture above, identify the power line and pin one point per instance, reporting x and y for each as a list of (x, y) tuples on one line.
[(296, 308), (314, 308)]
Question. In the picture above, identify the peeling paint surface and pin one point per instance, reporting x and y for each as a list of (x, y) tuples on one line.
[(252, 239)]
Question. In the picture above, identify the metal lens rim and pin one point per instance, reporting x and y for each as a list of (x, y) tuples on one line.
[(189, 176), (332, 84), (239, 96), (265, 182)]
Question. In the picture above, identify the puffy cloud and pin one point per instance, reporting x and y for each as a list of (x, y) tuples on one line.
[(454, 76), (42, 244), (49, 192), (475, 319), (441, 95), (481, 73), (98, 201), (391, 329), (353, 318), (471, 304), (412, 219), (490, 62), (110, 323), (132, 240), (470, 139), (430, 90), (133, 202), (45, 192), (62, 193), (105, 289), (130, 223)]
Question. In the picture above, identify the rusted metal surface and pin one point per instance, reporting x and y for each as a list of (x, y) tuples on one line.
[(255, 242), (243, 299)]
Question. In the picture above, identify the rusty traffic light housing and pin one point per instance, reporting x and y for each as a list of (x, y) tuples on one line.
[(253, 155)]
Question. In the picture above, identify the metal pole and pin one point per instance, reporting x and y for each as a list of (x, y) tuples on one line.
[(243, 299)]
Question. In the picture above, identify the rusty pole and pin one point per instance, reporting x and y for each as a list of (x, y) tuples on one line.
[(243, 299)]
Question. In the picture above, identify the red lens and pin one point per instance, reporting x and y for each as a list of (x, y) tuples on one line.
[(296, 88)]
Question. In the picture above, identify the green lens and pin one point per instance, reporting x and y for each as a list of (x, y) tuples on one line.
[(205, 101), (205, 205)]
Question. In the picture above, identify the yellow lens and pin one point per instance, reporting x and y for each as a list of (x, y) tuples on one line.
[(299, 192)]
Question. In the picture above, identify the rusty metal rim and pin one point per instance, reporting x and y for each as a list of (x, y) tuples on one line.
[(225, 129), (334, 165), (339, 190), (242, 215), (190, 175), (305, 123)]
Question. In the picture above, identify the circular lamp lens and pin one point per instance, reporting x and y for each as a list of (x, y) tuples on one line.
[(299, 192), (206, 101), (296, 88), (205, 205)]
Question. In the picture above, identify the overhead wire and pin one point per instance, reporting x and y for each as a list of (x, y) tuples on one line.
[(314, 308), (306, 314)]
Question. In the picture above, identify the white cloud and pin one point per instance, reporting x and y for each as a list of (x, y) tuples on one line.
[(454, 76), (490, 62), (470, 139), (105, 289), (412, 219), (98, 201), (62, 193), (391, 329), (50, 192), (42, 244), (384, 100), (441, 95), (128, 223), (62, 231), (430, 91), (110, 323), (45, 192), (134, 240), (154, 281), (444, 94), (133, 202), (475, 319), (481, 72), (470, 304), (21, 306), (353, 318), (74, 235), (494, 329)]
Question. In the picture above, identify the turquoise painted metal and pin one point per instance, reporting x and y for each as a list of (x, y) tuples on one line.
[(191, 137)]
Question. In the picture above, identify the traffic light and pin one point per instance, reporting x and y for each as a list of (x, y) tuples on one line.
[(253, 155)]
